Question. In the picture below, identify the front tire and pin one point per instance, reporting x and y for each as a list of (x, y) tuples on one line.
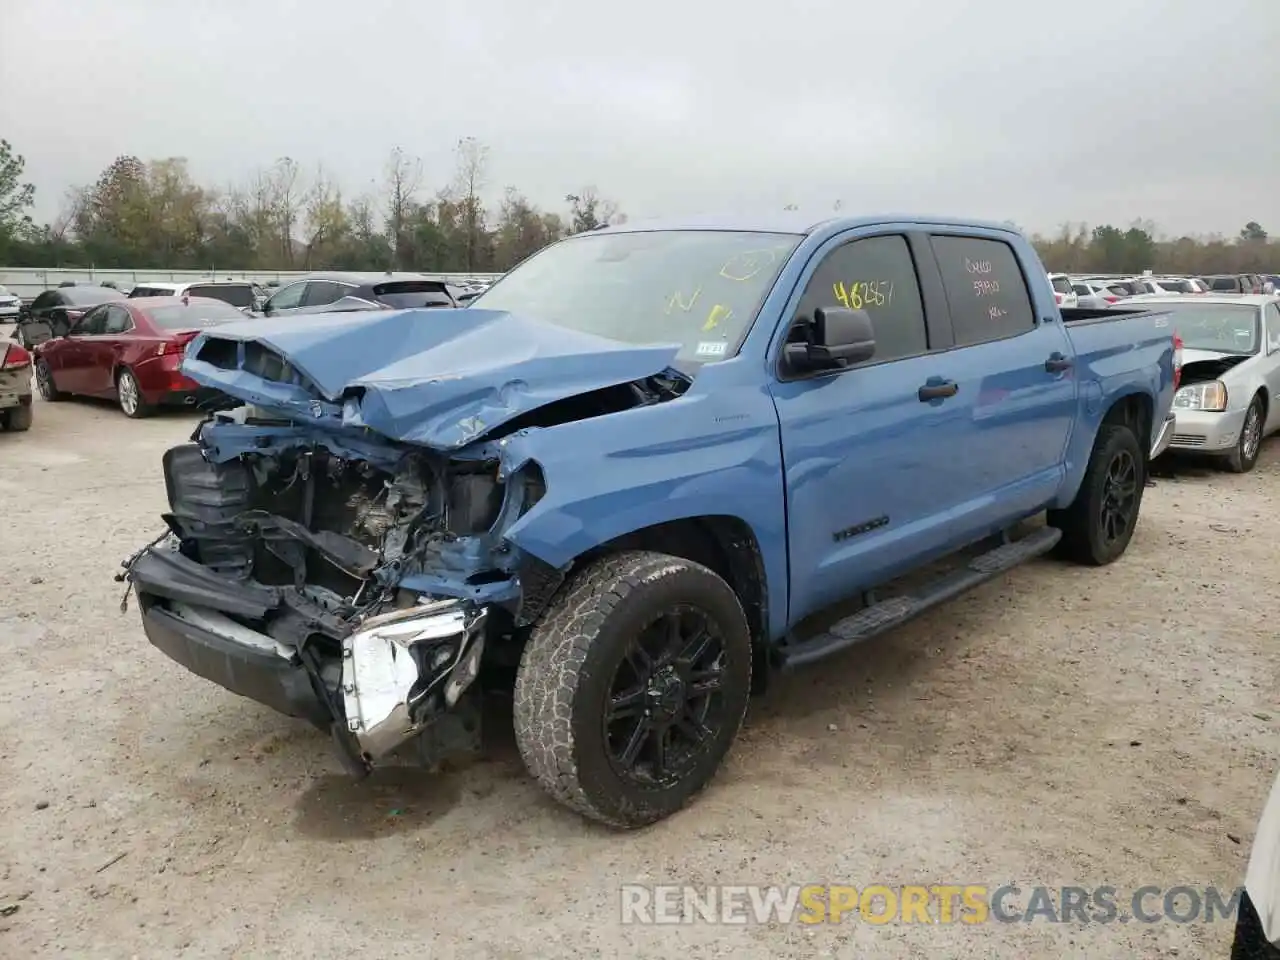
[(129, 394), (1245, 456), (44, 382), (1099, 523), (633, 686)]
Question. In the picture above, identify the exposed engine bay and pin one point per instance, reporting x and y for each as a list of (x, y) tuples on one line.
[(1201, 371)]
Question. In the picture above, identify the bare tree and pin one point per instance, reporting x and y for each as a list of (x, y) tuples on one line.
[(588, 210), (469, 180), (327, 220), (285, 203), (75, 203), (403, 181)]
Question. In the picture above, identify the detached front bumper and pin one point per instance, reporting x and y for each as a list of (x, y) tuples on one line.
[(1200, 431), (209, 645), (398, 672)]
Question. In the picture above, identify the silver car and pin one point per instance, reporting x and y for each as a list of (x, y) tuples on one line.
[(1229, 397), (10, 305)]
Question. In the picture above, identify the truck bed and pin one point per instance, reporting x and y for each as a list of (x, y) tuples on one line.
[(1098, 314), (1120, 351)]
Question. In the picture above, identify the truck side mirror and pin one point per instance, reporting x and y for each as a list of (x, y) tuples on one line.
[(836, 337)]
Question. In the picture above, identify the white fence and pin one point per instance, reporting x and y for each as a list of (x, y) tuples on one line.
[(27, 282)]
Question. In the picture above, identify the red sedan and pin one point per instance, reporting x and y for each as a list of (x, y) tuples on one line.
[(130, 351)]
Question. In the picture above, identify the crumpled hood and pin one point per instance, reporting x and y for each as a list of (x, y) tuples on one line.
[(440, 378), (1191, 355)]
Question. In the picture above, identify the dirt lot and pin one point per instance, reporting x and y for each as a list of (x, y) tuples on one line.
[(1064, 726)]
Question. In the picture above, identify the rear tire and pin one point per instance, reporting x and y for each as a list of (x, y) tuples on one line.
[(1245, 456), (16, 419), (633, 686), (1099, 523), (129, 394)]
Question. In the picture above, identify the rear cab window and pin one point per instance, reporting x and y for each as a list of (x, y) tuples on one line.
[(236, 294), (406, 294), (986, 290), (878, 275)]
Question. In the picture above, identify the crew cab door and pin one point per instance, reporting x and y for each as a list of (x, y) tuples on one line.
[(1015, 369), (866, 456)]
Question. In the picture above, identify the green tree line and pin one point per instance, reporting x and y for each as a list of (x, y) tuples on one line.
[(153, 214)]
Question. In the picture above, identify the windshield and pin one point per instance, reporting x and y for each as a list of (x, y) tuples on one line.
[(208, 313), (1220, 327), (236, 294), (700, 289)]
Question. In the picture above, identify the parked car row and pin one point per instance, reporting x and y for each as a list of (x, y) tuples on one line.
[(100, 341), (1229, 397)]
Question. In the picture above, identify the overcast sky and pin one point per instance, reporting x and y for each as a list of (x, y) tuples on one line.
[(1026, 110)]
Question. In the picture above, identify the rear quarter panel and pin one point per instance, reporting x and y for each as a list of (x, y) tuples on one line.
[(1116, 358)]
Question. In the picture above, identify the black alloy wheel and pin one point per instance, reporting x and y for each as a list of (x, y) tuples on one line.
[(665, 703)]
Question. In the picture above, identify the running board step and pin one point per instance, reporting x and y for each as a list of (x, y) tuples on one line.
[(887, 614)]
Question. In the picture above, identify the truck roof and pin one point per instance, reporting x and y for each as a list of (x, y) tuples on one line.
[(792, 221)]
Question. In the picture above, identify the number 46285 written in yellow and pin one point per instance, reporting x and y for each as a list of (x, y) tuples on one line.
[(862, 294)]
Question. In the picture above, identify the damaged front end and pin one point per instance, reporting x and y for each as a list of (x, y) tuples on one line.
[(340, 548), (353, 582)]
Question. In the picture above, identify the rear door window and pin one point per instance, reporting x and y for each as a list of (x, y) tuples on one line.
[(117, 320), (93, 323), (986, 290), (286, 298), (322, 292)]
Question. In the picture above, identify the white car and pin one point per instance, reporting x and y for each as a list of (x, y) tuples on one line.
[(1183, 285), (1062, 290), (1097, 294), (10, 305), (242, 294)]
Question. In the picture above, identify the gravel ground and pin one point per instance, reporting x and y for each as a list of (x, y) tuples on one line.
[(1062, 726)]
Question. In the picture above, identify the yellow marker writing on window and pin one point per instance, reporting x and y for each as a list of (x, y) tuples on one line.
[(719, 313), (848, 297), (676, 301)]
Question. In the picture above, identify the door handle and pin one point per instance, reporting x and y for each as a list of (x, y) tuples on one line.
[(938, 390), (1057, 363)]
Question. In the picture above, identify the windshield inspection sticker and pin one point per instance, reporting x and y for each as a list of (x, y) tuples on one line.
[(712, 348)]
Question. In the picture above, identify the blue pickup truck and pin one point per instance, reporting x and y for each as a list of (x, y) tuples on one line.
[(634, 480)]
